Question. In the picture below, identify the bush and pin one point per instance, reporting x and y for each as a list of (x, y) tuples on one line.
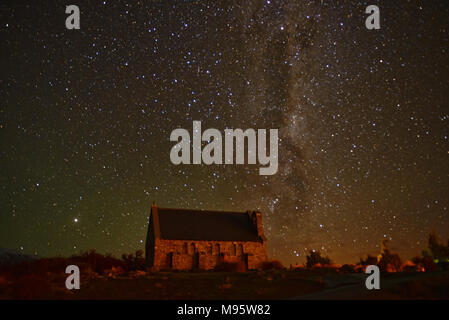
[(315, 258), (271, 265), (425, 262), (134, 262), (347, 268), (409, 268), (439, 251), (96, 262), (88, 262), (390, 262)]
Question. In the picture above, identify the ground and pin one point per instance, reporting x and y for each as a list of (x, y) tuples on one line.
[(275, 284)]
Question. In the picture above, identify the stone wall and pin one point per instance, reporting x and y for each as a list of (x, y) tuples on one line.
[(187, 255)]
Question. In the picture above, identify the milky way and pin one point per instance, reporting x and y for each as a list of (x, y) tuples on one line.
[(86, 116)]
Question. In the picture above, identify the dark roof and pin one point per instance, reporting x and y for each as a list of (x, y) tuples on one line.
[(185, 224)]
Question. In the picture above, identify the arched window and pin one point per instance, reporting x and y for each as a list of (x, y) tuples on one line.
[(217, 249), (240, 250), (184, 248)]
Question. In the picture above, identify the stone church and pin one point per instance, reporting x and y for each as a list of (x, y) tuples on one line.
[(184, 239)]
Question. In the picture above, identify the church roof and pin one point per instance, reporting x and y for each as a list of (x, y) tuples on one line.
[(186, 224)]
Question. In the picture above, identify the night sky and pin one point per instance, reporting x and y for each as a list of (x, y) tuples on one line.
[(363, 119)]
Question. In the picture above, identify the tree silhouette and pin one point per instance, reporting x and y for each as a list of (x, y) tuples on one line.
[(438, 251), (389, 261), (315, 257)]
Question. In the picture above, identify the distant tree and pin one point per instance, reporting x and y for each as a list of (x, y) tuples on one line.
[(438, 251), (272, 265), (389, 261), (426, 262), (347, 268), (435, 257), (315, 257)]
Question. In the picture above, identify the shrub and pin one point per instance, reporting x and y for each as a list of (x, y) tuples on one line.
[(89, 261), (390, 262), (409, 266), (347, 268), (134, 262), (439, 251), (271, 265), (425, 262), (315, 258), (96, 262)]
